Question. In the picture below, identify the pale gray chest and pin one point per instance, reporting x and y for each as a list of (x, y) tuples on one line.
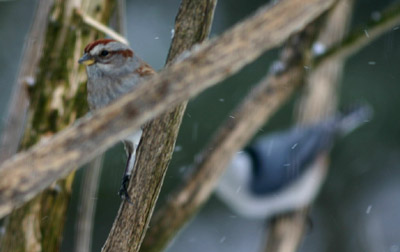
[(103, 90)]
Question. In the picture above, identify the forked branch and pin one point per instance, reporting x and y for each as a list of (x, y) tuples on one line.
[(27, 173)]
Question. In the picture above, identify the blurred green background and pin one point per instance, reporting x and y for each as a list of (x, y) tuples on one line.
[(358, 208)]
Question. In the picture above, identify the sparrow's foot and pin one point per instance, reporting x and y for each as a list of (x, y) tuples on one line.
[(123, 191)]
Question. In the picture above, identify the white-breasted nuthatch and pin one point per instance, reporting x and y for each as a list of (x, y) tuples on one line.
[(284, 171)]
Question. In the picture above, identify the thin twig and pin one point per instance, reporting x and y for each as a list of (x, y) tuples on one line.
[(27, 173), (101, 27), (359, 38), (87, 205)]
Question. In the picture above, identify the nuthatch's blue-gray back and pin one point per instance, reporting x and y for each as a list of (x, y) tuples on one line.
[(283, 171)]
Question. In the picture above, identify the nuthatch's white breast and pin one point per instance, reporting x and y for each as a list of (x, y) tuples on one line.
[(283, 171)]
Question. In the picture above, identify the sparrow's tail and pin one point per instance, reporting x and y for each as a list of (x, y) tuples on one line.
[(130, 163)]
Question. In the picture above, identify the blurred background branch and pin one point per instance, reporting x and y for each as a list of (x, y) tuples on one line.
[(212, 62), (319, 100), (245, 120), (338, 52), (55, 89), (19, 102), (320, 97), (359, 38), (184, 202), (87, 205)]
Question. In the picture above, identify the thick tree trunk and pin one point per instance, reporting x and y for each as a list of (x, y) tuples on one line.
[(57, 98)]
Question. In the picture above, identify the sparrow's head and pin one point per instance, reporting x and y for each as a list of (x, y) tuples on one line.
[(112, 70), (108, 57)]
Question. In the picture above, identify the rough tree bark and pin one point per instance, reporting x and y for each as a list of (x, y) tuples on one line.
[(55, 175), (209, 63), (246, 119), (192, 25), (56, 99), (319, 100), (182, 203)]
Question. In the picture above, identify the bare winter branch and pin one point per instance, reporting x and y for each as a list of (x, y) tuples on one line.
[(319, 100), (101, 27), (192, 25), (359, 38), (248, 117), (26, 174)]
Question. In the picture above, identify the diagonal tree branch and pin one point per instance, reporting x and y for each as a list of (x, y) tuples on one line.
[(182, 203), (192, 25), (88, 20), (287, 230), (27, 173), (357, 39), (319, 100), (247, 118)]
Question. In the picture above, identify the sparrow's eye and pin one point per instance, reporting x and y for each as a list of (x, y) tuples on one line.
[(104, 53)]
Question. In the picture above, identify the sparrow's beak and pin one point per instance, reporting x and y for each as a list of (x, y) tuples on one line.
[(86, 59)]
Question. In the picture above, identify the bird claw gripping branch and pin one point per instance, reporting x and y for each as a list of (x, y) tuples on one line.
[(123, 191)]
